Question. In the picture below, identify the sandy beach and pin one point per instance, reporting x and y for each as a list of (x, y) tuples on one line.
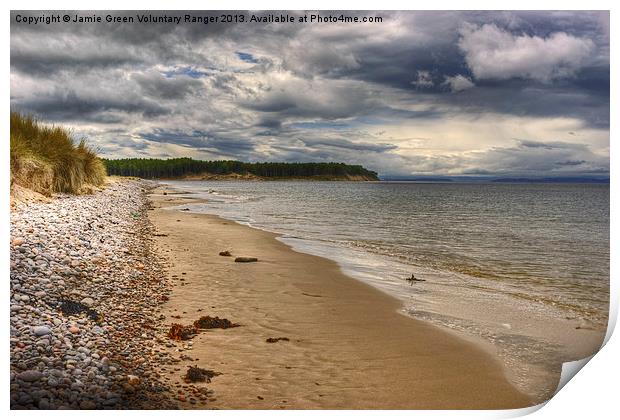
[(348, 346)]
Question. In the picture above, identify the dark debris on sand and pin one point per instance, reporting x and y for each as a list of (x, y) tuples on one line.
[(180, 332), (275, 340), (196, 374), (207, 323), (70, 307)]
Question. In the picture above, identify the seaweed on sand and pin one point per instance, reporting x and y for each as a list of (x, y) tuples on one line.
[(179, 332), (70, 307), (275, 340), (196, 374), (207, 322)]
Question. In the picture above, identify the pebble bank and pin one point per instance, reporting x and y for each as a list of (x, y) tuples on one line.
[(86, 285)]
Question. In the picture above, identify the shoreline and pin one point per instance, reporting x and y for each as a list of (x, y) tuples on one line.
[(359, 358), (531, 338)]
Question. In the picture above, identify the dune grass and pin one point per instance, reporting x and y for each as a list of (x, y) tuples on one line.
[(46, 159)]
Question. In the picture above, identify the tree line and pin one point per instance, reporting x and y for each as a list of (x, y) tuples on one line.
[(179, 167)]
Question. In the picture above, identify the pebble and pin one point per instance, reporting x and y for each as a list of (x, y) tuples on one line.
[(87, 405), (30, 376), (88, 301), (17, 241), (41, 330)]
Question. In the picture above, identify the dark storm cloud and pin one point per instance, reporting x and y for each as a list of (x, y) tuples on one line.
[(571, 163), (271, 123), (348, 145), (200, 140), (531, 144), (51, 61), (68, 105), (154, 84), (255, 91)]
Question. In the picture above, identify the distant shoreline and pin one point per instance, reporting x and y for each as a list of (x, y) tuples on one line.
[(188, 167), (250, 177), (493, 180)]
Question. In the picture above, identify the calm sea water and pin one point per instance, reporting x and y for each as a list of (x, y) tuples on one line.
[(495, 257)]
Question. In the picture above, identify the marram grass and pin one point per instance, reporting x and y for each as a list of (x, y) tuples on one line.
[(45, 158)]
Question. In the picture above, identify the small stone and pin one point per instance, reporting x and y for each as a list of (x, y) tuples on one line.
[(88, 405), (18, 241), (133, 380), (74, 329), (30, 376), (88, 301), (41, 330)]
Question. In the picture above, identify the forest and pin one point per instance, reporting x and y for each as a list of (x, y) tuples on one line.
[(182, 167)]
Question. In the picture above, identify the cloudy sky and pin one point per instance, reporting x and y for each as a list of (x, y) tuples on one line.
[(421, 93)]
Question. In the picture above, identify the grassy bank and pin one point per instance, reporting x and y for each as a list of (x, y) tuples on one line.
[(46, 159)]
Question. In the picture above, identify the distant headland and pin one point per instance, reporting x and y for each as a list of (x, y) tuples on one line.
[(187, 168)]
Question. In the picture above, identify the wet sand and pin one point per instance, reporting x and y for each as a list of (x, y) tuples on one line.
[(348, 348)]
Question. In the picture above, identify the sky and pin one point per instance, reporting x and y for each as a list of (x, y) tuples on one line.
[(420, 93)]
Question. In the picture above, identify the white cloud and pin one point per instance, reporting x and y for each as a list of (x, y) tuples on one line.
[(424, 80), (458, 83), (493, 53)]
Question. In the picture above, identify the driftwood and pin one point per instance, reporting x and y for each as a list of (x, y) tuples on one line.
[(413, 279)]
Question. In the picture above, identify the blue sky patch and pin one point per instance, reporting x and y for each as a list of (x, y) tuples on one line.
[(248, 58), (185, 71)]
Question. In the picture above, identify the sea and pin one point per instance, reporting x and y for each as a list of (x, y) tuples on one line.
[(522, 268)]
